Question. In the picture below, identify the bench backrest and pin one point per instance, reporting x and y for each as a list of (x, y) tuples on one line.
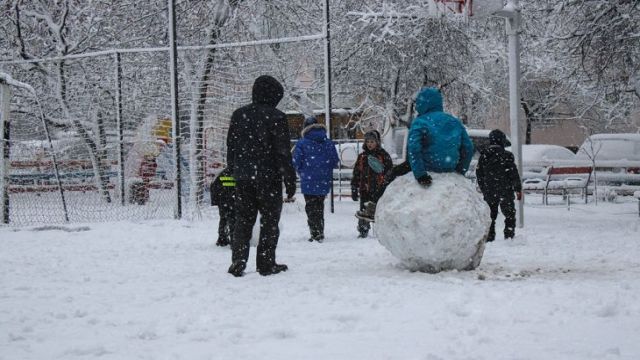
[(569, 170), (587, 170)]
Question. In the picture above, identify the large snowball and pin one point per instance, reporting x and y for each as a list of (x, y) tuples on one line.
[(442, 227)]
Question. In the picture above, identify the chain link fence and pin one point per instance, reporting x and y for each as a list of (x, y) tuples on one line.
[(89, 138)]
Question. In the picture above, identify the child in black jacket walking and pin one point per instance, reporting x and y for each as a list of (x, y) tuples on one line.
[(498, 180), (223, 190)]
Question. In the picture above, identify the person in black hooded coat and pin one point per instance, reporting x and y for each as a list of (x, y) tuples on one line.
[(498, 180), (258, 155)]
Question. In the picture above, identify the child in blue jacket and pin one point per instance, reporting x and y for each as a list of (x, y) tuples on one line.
[(438, 142), (314, 158)]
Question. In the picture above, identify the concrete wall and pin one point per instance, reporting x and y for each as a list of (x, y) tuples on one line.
[(564, 132)]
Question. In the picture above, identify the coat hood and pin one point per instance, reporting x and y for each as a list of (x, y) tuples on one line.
[(267, 91), (497, 137), (428, 100), (316, 132)]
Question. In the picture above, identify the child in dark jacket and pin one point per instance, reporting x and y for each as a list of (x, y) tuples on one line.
[(498, 180), (223, 196), (369, 176)]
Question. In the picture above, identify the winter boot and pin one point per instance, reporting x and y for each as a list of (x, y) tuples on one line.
[(274, 269), (237, 268), (363, 234), (318, 238), (222, 242), (368, 213), (315, 233), (509, 233)]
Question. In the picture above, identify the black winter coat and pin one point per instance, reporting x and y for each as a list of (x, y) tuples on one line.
[(497, 173), (258, 142), (223, 196)]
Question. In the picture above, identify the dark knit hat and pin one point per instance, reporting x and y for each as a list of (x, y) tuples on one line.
[(372, 135), (310, 120)]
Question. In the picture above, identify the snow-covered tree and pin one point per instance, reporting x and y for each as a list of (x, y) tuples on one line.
[(586, 54)]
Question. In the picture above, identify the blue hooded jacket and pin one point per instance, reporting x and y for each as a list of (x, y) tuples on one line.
[(438, 141), (314, 158)]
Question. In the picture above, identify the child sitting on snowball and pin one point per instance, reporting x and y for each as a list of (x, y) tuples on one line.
[(438, 142)]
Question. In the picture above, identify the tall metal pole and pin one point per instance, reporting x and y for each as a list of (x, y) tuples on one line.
[(327, 80), (119, 129), (5, 98), (513, 28), (175, 124)]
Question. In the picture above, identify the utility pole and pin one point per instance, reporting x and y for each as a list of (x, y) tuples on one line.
[(327, 80), (511, 14), (175, 123)]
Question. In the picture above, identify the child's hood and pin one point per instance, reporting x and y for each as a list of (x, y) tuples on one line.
[(315, 132), (428, 100)]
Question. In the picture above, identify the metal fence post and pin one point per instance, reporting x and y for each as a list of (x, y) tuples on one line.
[(175, 123), (327, 79), (5, 98), (119, 128)]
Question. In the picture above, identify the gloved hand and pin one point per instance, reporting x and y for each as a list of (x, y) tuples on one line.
[(425, 180), (291, 190), (354, 194), (519, 195)]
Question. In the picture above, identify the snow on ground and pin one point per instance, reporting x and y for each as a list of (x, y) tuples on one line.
[(568, 287)]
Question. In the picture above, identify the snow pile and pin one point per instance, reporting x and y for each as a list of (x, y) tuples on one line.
[(439, 228)]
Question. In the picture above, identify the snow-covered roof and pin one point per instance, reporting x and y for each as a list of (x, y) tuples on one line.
[(628, 136), (478, 132), (342, 111)]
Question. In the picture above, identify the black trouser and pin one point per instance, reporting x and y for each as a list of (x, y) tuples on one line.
[(314, 206), (398, 170), (363, 225), (508, 208), (226, 224), (253, 197)]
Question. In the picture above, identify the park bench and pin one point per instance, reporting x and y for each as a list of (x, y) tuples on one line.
[(562, 180)]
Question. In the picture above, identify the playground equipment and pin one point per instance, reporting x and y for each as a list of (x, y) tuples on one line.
[(145, 168)]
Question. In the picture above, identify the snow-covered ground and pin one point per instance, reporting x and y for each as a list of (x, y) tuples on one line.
[(568, 287)]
